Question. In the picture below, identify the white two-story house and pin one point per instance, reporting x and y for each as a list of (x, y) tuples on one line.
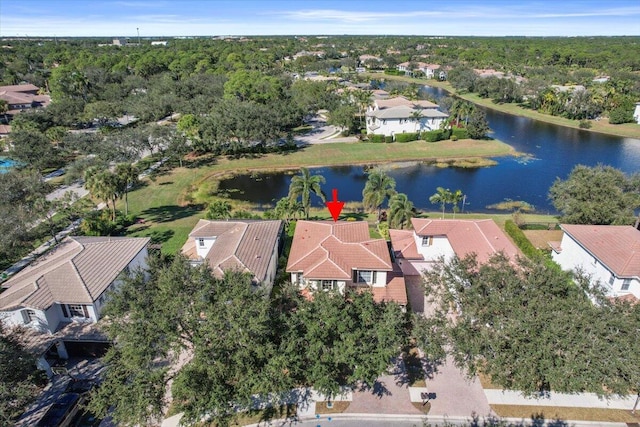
[(397, 115), (433, 239), (341, 255), (70, 282), (610, 254)]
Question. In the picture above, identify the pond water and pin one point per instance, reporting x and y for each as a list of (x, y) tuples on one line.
[(552, 151)]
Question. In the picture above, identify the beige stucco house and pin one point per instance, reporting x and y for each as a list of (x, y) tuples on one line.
[(397, 115)]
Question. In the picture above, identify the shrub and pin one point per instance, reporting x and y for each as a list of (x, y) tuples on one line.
[(388, 139), (521, 240), (460, 133), (585, 124), (454, 138), (376, 138), (622, 114), (406, 137), (432, 135)]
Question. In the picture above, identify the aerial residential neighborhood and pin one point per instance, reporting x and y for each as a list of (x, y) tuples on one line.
[(268, 213)]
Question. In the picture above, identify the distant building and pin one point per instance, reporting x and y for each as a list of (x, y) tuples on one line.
[(636, 113), (392, 116), (22, 97), (119, 41), (159, 43)]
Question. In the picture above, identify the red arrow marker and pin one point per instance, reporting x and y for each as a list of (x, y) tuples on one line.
[(335, 207)]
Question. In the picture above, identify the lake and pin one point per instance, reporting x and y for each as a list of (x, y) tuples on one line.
[(552, 151)]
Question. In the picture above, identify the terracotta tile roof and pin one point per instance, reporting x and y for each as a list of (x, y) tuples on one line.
[(482, 237), (395, 290), (20, 88), (245, 245), (404, 245), (332, 250), (616, 246), (78, 270)]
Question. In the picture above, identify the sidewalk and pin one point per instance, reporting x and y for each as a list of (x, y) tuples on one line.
[(578, 400)]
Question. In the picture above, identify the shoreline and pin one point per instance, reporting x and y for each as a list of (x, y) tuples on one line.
[(626, 130)]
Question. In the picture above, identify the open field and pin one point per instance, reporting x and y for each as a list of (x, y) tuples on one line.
[(630, 130), (171, 203)]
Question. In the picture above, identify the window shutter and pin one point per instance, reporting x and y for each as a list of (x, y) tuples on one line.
[(25, 317), (86, 312), (65, 313)]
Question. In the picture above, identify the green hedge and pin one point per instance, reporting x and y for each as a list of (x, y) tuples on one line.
[(388, 139), (460, 133), (406, 137), (375, 138), (432, 135), (394, 72), (521, 240)]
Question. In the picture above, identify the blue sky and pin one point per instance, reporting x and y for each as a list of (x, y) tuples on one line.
[(267, 17)]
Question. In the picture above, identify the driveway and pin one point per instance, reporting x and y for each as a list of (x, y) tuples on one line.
[(320, 133), (390, 395), (456, 395)]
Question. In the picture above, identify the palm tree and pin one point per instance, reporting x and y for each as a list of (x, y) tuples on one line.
[(127, 176), (104, 185), (363, 99), (456, 197), (415, 117), (442, 196), (379, 187), (401, 210), (303, 185)]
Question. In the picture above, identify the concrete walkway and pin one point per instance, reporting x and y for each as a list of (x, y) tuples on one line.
[(578, 400)]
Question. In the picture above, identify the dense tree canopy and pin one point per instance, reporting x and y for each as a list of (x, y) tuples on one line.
[(596, 195), (234, 343), (530, 327)]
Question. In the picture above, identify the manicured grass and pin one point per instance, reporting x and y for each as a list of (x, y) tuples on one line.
[(566, 413), (631, 130), (337, 407)]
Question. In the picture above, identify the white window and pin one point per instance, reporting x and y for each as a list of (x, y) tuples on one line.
[(427, 240), (29, 316), (364, 276), (75, 310), (612, 279), (328, 285), (201, 242), (625, 284)]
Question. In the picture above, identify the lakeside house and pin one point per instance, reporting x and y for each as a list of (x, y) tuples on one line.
[(430, 71), (610, 254), (430, 240), (400, 115), (59, 297), (341, 256), (636, 113), (250, 246)]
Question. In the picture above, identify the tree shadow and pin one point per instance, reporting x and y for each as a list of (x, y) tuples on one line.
[(430, 367), (170, 213), (378, 389), (358, 216), (200, 161)]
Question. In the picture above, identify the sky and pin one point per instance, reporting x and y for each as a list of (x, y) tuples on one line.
[(158, 18)]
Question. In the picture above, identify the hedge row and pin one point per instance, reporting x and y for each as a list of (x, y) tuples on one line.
[(406, 137), (521, 240), (429, 136)]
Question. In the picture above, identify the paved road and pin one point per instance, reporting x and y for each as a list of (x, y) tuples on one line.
[(320, 133)]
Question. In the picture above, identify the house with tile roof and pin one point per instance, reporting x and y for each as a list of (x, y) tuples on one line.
[(432, 239), (392, 116), (610, 254), (409, 69), (251, 246), (70, 282), (22, 97), (341, 256)]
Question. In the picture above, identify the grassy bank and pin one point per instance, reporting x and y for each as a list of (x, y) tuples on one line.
[(171, 203), (629, 130)]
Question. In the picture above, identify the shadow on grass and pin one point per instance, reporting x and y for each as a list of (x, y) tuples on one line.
[(358, 216), (170, 212)]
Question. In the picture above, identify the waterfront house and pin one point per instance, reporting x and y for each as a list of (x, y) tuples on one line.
[(610, 254), (636, 113), (434, 239), (430, 71), (250, 246), (392, 116), (341, 256)]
